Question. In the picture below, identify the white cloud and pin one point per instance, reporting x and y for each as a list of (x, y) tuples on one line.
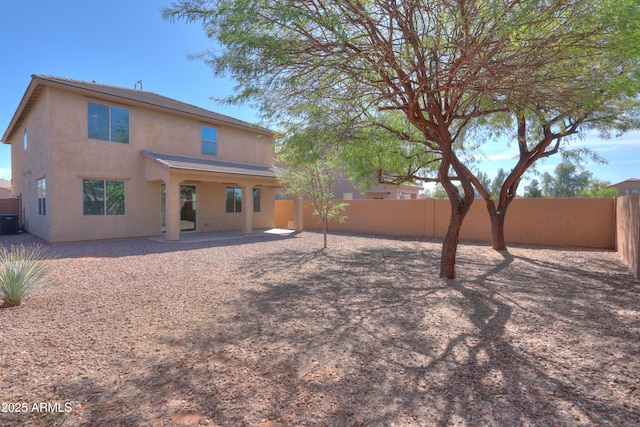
[(502, 156), (631, 139)]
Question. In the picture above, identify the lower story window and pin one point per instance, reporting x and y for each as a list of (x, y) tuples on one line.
[(103, 197), (256, 200), (234, 200), (42, 196)]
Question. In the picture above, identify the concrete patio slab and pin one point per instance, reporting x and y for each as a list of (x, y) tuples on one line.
[(195, 237)]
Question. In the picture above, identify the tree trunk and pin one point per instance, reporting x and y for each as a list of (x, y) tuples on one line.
[(450, 242), (497, 217), (324, 232), (497, 230), (459, 208)]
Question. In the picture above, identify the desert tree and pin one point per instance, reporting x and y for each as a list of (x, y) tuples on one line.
[(533, 190), (310, 170), (443, 64), (592, 86), (496, 183), (567, 182), (599, 189)]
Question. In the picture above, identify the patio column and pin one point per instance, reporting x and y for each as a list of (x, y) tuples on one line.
[(298, 214), (247, 208), (172, 189)]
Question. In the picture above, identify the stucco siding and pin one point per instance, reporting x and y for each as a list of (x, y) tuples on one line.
[(211, 209), (74, 157), (27, 166), (60, 150)]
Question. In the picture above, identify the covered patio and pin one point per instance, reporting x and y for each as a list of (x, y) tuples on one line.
[(218, 178)]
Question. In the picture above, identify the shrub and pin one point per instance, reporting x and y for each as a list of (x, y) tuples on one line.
[(22, 272)]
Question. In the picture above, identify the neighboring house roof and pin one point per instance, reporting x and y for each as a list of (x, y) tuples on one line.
[(626, 181), (171, 161), (149, 99), (5, 184)]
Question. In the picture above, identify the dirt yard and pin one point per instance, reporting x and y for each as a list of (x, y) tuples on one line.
[(276, 332)]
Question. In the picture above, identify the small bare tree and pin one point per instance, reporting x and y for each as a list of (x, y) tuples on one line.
[(314, 182), (311, 174)]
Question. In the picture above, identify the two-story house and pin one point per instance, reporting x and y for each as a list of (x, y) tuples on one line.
[(92, 161), (629, 186)]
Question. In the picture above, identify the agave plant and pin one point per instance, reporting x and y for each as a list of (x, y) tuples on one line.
[(22, 272)]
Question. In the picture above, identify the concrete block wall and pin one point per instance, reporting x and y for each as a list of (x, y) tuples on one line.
[(588, 223), (628, 231), (9, 206), (556, 222)]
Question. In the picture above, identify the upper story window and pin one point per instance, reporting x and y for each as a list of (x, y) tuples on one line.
[(108, 123), (24, 138), (209, 140)]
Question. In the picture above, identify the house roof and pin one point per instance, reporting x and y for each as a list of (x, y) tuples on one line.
[(5, 184), (626, 181), (171, 161), (150, 99)]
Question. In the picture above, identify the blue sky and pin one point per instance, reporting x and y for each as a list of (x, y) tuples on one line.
[(119, 42)]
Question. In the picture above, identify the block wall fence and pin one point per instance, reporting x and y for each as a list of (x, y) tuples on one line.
[(9, 206), (628, 231), (612, 223)]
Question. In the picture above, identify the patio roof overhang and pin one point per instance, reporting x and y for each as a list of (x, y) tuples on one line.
[(208, 169)]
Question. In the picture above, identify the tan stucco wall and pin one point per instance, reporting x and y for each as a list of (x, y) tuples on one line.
[(554, 222), (628, 231), (27, 166), (214, 218), (59, 121)]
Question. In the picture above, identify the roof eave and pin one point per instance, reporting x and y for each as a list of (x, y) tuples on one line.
[(37, 81), (18, 114), (153, 157), (130, 101), (238, 173)]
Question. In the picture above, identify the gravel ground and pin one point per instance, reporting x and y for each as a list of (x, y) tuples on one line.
[(275, 332)]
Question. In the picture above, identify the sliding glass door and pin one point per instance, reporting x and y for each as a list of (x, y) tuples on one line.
[(187, 208)]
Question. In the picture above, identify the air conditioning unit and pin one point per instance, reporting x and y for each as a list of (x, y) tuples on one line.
[(8, 224)]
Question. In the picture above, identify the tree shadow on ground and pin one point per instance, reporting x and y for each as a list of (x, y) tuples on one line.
[(370, 336), (116, 248)]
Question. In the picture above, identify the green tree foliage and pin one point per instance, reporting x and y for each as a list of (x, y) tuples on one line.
[(446, 66), (389, 151), (439, 193), (596, 91), (600, 189), (569, 181), (484, 179), (311, 173), (496, 184), (533, 190), (566, 182)]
